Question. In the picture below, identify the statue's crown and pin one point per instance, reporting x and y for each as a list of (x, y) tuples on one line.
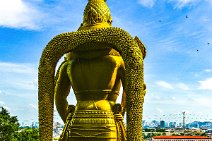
[(96, 12)]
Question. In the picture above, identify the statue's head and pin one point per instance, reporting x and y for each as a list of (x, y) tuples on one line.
[(96, 15)]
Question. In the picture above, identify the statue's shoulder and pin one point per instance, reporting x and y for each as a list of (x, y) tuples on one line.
[(116, 60)]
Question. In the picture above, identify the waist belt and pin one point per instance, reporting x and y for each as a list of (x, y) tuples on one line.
[(94, 94)]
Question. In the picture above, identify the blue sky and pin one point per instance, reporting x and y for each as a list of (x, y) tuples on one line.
[(177, 35)]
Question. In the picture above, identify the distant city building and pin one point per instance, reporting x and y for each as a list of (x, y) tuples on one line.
[(181, 138), (35, 124), (172, 124), (195, 124), (166, 124), (154, 123), (143, 122), (162, 124), (188, 126), (198, 124), (180, 125)]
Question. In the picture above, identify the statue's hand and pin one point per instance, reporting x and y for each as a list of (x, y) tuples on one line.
[(117, 108)]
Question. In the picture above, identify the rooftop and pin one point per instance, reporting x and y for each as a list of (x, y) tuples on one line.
[(180, 137)]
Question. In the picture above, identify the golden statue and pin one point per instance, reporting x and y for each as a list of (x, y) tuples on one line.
[(99, 58)]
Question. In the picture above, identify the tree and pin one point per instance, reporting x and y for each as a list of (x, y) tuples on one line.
[(8, 125), (27, 134), (158, 129)]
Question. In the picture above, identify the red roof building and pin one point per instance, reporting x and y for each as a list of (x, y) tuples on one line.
[(181, 138)]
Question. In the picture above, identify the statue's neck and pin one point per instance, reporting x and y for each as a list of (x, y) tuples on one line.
[(95, 26), (95, 53)]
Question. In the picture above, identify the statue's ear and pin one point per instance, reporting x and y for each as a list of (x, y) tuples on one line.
[(69, 56), (141, 46)]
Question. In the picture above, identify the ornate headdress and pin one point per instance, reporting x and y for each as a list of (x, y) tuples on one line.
[(96, 13)]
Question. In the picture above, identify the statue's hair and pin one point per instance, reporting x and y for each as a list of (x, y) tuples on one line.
[(96, 11)]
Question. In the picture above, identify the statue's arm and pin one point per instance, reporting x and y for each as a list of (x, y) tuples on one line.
[(123, 103), (62, 89), (122, 77)]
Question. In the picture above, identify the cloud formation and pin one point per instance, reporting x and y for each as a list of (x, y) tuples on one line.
[(7, 67), (177, 3), (182, 86), (207, 70), (147, 3), (18, 76), (182, 3), (3, 104), (164, 84), (206, 84), (33, 106), (20, 14)]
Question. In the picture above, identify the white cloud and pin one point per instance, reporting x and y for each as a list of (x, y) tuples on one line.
[(160, 111), (173, 98), (7, 108), (19, 14), (16, 68), (207, 70), (147, 3), (35, 82), (206, 84), (2, 93), (204, 101), (183, 3), (182, 86), (34, 106), (164, 84), (191, 104), (18, 76), (2, 103), (37, 14)]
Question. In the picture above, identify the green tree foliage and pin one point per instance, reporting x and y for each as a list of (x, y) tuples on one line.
[(160, 130), (8, 125), (27, 134), (10, 131), (149, 135)]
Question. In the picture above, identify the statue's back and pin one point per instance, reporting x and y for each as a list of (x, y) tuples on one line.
[(95, 80), (101, 72)]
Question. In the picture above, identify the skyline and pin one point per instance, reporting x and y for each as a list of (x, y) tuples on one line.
[(176, 33)]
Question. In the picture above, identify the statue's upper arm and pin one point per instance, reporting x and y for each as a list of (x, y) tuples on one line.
[(62, 89), (63, 83), (122, 77), (122, 72)]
